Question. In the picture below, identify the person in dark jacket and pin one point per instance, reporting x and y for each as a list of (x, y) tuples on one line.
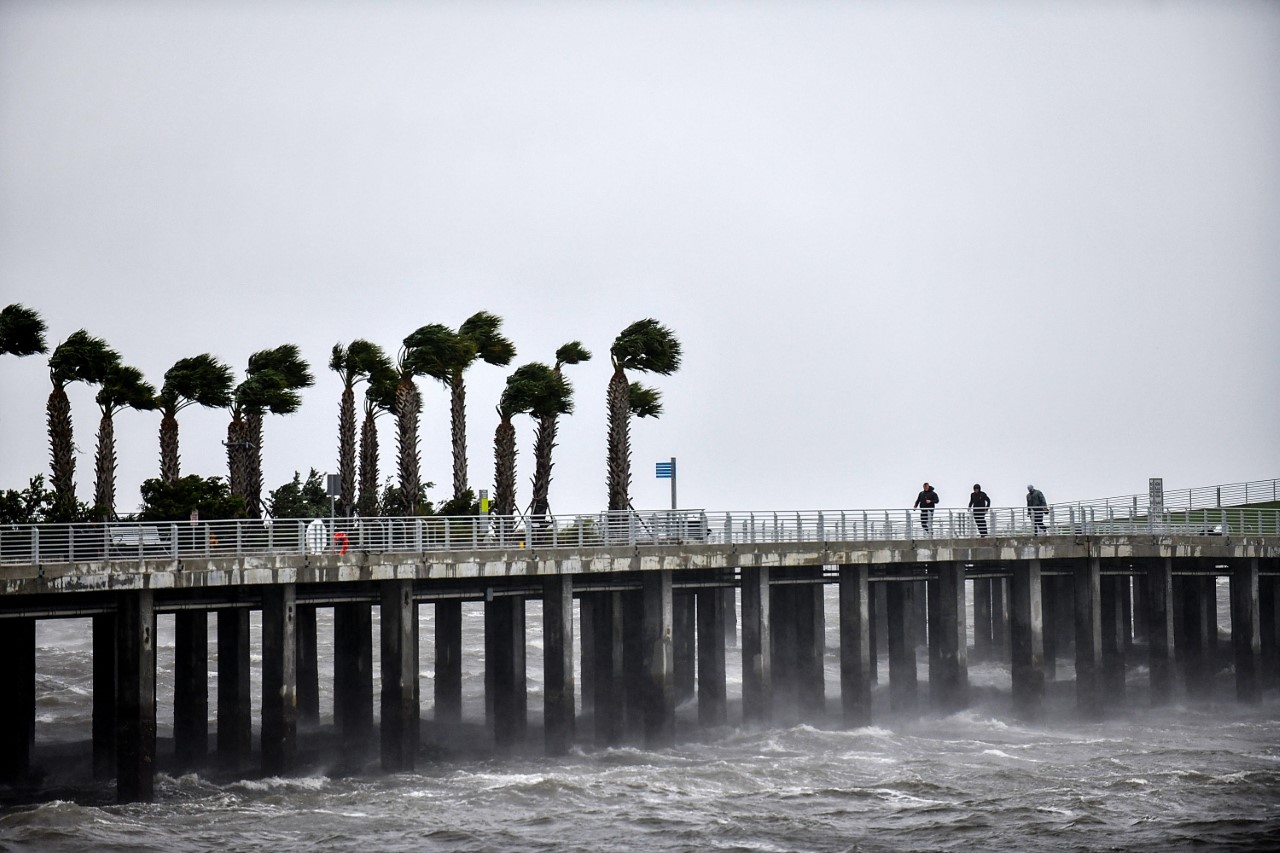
[(926, 501), (979, 502), (1036, 508)]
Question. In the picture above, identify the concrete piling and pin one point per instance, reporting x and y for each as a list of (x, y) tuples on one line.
[(757, 647), (135, 697), (712, 683), (191, 689), (235, 721), (1026, 628), (398, 634), (557, 641), (279, 679), (855, 645)]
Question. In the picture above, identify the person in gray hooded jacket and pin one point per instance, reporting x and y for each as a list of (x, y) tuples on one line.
[(1036, 509)]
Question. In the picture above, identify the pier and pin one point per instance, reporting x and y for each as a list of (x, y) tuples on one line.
[(643, 605)]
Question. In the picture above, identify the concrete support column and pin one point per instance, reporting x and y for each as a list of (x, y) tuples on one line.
[(983, 640), (879, 626), (948, 637), (1050, 597), (1160, 625), (712, 682), (784, 652), (1141, 608), (1000, 619), (1026, 617), (557, 667), (1246, 640), (18, 710), (448, 665), (1087, 584), (1197, 639), (307, 667), (919, 614), (505, 663), (279, 679), (855, 645), (900, 616), (633, 669), (1126, 611), (135, 697), (1269, 625), (1115, 636), (811, 645), (398, 630), (353, 679), (659, 692), (587, 649), (235, 713), (684, 638), (757, 647), (606, 623), (191, 689), (104, 695), (730, 608)]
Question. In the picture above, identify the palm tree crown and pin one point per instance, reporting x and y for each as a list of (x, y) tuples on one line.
[(21, 331)]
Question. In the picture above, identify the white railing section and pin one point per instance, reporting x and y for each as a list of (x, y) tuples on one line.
[(89, 542), (1203, 497)]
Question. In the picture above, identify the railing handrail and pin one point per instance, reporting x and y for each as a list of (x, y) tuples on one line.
[(176, 540), (1225, 495)]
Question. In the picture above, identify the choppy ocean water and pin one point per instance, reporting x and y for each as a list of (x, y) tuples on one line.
[(1195, 775)]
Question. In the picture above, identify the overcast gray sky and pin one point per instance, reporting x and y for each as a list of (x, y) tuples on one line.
[(974, 241)]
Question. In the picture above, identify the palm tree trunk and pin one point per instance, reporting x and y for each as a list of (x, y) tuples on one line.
[(368, 505), (104, 469), (169, 465), (253, 458), (544, 442), (619, 460), (504, 469), (458, 430), (238, 466), (347, 451), (62, 459), (407, 441)]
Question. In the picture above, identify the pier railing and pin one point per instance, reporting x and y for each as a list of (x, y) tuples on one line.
[(63, 543), (1201, 497)]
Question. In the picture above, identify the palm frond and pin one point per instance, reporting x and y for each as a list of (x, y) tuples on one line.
[(21, 331), (648, 346), (82, 358), (646, 402), (572, 353)]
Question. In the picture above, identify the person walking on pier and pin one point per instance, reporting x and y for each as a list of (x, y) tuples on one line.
[(979, 502), (926, 501), (1036, 508)]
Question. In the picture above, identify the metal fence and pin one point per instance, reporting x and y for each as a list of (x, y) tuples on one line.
[(1203, 497), (84, 543)]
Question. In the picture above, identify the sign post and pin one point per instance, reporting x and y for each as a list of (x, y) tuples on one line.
[(667, 471)]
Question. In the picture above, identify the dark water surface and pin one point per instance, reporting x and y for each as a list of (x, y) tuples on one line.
[(1202, 776)]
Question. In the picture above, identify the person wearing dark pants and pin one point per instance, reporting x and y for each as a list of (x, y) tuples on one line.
[(979, 503), (1036, 509), (926, 501)]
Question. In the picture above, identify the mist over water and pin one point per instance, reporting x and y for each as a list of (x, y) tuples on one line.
[(1202, 775)]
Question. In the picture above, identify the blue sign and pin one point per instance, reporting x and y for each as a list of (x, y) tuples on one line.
[(665, 470)]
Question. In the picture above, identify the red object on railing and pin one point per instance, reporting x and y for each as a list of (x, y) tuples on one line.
[(340, 542)]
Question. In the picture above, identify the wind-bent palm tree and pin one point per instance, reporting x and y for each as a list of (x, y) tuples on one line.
[(647, 346), (201, 380), (379, 397), (528, 391), (353, 365), (544, 437), (289, 373), (485, 343), (80, 358), (21, 331), (433, 350), (122, 388)]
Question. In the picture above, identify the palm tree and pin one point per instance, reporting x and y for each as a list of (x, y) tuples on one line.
[(21, 331), (379, 397), (80, 358), (544, 437), (433, 350), (650, 347), (288, 373), (122, 388), (201, 380), (485, 343), (353, 364), (532, 389), (251, 396)]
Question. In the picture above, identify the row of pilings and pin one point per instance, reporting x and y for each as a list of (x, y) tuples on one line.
[(647, 641)]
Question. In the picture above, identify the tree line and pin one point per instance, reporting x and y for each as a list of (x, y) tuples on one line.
[(374, 384)]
